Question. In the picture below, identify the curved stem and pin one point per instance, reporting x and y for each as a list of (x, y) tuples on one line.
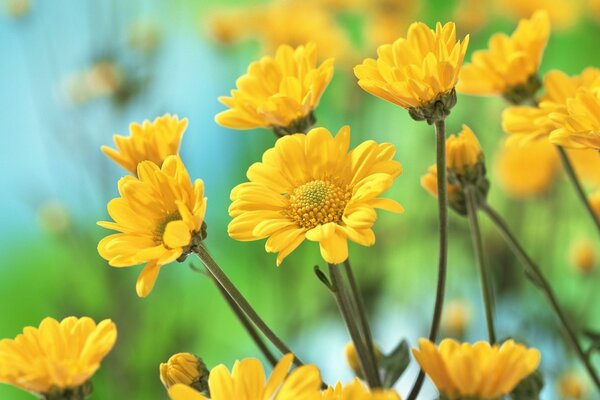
[(440, 133), (486, 284), (533, 269), (566, 162), (218, 274)]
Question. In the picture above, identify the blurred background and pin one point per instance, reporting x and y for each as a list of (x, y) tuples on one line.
[(73, 73)]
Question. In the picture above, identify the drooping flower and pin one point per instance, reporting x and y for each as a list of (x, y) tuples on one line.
[(476, 370), (150, 141), (56, 357), (184, 368), (509, 67), (578, 125), (246, 381), (157, 216), (311, 187), (278, 92), (357, 391)]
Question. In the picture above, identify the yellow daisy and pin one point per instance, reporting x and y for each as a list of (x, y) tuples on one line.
[(157, 217), (280, 92), (311, 187), (357, 391), (578, 125), (477, 370), (509, 67), (416, 71), (57, 357), (247, 382), (150, 141), (184, 368)]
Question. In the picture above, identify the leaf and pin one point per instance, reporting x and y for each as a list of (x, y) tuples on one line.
[(395, 363)]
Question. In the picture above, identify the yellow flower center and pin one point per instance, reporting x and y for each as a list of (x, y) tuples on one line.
[(160, 229), (317, 203)]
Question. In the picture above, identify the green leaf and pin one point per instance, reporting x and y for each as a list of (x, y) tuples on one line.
[(395, 363)]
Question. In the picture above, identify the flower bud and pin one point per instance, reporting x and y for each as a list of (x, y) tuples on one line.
[(463, 152), (583, 256), (352, 357), (187, 369)]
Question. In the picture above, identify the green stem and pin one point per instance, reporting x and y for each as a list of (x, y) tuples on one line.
[(361, 312), (486, 284), (345, 307), (218, 274), (440, 134), (534, 270), (566, 162)]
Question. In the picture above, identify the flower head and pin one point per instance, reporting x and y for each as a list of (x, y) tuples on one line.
[(509, 67), (56, 356), (463, 151), (357, 391), (246, 381), (184, 368), (150, 141), (417, 71), (478, 370), (311, 187), (277, 92), (578, 125), (157, 216)]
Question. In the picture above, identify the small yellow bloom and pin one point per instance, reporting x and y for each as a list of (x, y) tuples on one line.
[(456, 317), (415, 71), (463, 152), (562, 13), (311, 187), (594, 200), (276, 92), (478, 370), (184, 368), (571, 387), (583, 256), (150, 141), (357, 391), (510, 62), (157, 215), (578, 125), (247, 382), (57, 355)]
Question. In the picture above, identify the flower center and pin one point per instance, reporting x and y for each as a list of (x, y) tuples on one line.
[(317, 203), (160, 229)]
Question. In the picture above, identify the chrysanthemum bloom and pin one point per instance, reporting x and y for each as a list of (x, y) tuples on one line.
[(456, 317), (311, 187), (150, 141), (509, 67), (158, 215), (279, 93), (184, 368), (571, 387), (463, 151), (578, 126), (357, 391), (583, 256), (418, 72), (476, 370), (247, 382), (58, 358)]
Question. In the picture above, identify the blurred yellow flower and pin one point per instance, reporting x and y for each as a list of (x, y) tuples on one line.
[(56, 356), (417, 70), (571, 386), (228, 26), (387, 20), (562, 13), (578, 125), (463, 151), (150, 141), (478, 370), (352, 357), (247, 382), (471, 15), (17, 8), (278, 92), (429, 183), (583, 256), (594, 200), (357, 391), (144, 36), (509, 67), (527, 170), (456, 317), (184, 368), (158, 215), (311, 187), (586, 163)]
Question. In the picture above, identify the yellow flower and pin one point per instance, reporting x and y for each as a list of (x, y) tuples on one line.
[(478, 370), (184, 368), (527, 170), (311, 187), (415, 71), (357, 391), (463, 152), (151, 141), (277, 92), (571, 387), (387, 20), (247, 382), (429, 183), (594, 200), (456, 317), (510, 63), (578, 126), (562, 13), (583, 256), (157, 215), (57, 356)]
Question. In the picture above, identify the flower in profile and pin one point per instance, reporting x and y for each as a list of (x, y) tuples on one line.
[(246, 381), (578, 125), (583, 256), (150, 141), (278, 92), (418, 72), (157, 216), (509, 67), (311, 187), (476, 370), (184, 368), (571, 387), (357, 391), (463, 151), (57, 357), (456, 317)]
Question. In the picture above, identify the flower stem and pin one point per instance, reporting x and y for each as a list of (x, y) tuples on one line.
[(539, 279), (345, 307), (486, 284), (440, 133), (363, 319), (566, 162), (218, 274)]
